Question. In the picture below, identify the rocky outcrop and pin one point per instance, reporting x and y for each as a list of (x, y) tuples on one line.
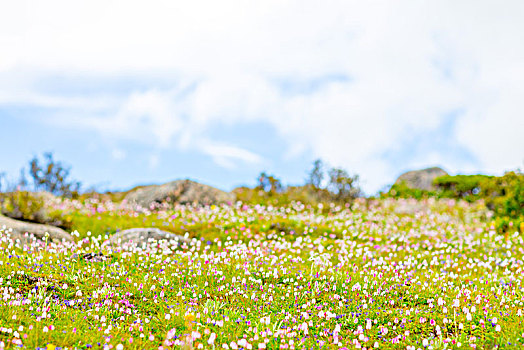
[(22, 230), (145, 235), (180, 191), (421, 179)]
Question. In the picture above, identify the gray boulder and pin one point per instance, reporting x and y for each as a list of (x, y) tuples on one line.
[(421, 179), (145, 235), (180, 191), (20, 228)]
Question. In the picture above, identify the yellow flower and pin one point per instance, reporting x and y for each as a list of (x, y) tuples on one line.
[(190, 318)]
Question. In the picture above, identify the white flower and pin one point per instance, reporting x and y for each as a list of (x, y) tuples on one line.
[(212, 338)]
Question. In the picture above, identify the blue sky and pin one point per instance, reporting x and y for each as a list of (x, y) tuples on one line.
[(219, 92)]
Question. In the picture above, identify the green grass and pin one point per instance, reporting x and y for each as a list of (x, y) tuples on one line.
[(287, 277)]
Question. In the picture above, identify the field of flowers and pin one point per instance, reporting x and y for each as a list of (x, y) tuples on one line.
[(390, 274)]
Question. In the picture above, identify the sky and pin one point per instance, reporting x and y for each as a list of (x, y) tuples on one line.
[(139, 92)]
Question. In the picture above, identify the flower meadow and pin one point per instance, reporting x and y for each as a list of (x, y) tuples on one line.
[(387, 274)]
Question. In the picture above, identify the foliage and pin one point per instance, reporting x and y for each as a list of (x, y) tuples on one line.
[(22, 205), (32, 207), (342, 186), (341, 189), (504, 195), (467, 187), (316, 175), (269, 184), (306, 194), (402, 190), (52, 176)]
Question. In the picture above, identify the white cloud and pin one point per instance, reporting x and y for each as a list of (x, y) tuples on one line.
[(224, 155), (407, 65), (118, 154)]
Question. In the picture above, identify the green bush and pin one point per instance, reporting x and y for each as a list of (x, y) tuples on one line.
[(504, 195), (22, 205), (31, 207), (52, 176), (401, 190)]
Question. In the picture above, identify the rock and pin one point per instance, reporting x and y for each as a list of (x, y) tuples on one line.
[(421, 179), (94, 257), (145, 235), (180, 191), (20, 228)]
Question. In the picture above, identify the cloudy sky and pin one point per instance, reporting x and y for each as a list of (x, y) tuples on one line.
[(132, 92)]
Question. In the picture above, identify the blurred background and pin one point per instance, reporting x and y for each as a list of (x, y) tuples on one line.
[(128, 93)]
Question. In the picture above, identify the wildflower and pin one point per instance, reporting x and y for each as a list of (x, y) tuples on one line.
[(212, 338), (171, 333)]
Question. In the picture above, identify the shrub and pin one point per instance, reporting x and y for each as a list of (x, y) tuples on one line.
[(341, 189), (269, 184), (316, 175), (22, 205), (401, 190), (504, 195), (53, 177), (344, 188)]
